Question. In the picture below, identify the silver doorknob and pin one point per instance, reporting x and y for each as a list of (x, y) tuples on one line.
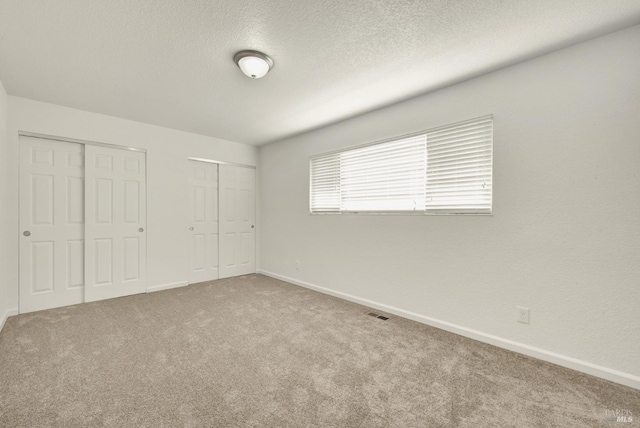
[(252, 226), (26, 233), (141, 230), (191, 228)]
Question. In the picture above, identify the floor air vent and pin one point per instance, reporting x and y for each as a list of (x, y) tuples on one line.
[(383, 318)]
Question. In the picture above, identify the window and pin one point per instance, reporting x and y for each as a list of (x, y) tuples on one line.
[(446, 170)]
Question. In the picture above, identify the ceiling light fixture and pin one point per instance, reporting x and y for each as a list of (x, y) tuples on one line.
[(253, 63)]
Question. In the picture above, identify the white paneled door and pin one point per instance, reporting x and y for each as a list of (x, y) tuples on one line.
[(51, 224), (115, 237), (203, 228), (237, 220)]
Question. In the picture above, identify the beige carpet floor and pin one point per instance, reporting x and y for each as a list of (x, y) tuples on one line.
[(256, 352)]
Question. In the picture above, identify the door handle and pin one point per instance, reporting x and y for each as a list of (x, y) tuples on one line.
[(252, 226), (191, 228), (26, 233), (141, 230)]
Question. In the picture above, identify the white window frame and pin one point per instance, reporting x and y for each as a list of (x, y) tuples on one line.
[(483, 208)]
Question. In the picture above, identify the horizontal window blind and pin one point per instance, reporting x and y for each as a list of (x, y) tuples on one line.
[(459, 167), (443, 170), (325, 183), (384, 177)]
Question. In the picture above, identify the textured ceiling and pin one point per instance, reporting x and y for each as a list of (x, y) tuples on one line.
[(169, 62)]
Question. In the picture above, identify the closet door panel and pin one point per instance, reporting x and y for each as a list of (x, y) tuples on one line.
[(51, 223), (115, 249), (203, 214), (237, 221)]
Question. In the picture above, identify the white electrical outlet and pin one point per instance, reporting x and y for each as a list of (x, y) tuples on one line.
[(297, 265), (523, 314)]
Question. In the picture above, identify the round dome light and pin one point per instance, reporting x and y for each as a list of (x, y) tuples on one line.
[(254, 64)]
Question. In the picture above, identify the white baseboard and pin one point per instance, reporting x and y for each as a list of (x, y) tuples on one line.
[(8, 313), (521, 348), (166, 286)]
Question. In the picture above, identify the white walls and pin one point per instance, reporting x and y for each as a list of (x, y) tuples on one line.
[(167, 196), (564, 239), (7, 232)]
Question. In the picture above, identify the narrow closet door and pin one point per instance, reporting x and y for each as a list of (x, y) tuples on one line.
[(237, 221), (51, 224), (115, 247), (203, 230)]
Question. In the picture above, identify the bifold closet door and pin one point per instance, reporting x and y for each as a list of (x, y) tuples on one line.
[(115, 214), (203, 229), (51, 224), (237, 220)]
